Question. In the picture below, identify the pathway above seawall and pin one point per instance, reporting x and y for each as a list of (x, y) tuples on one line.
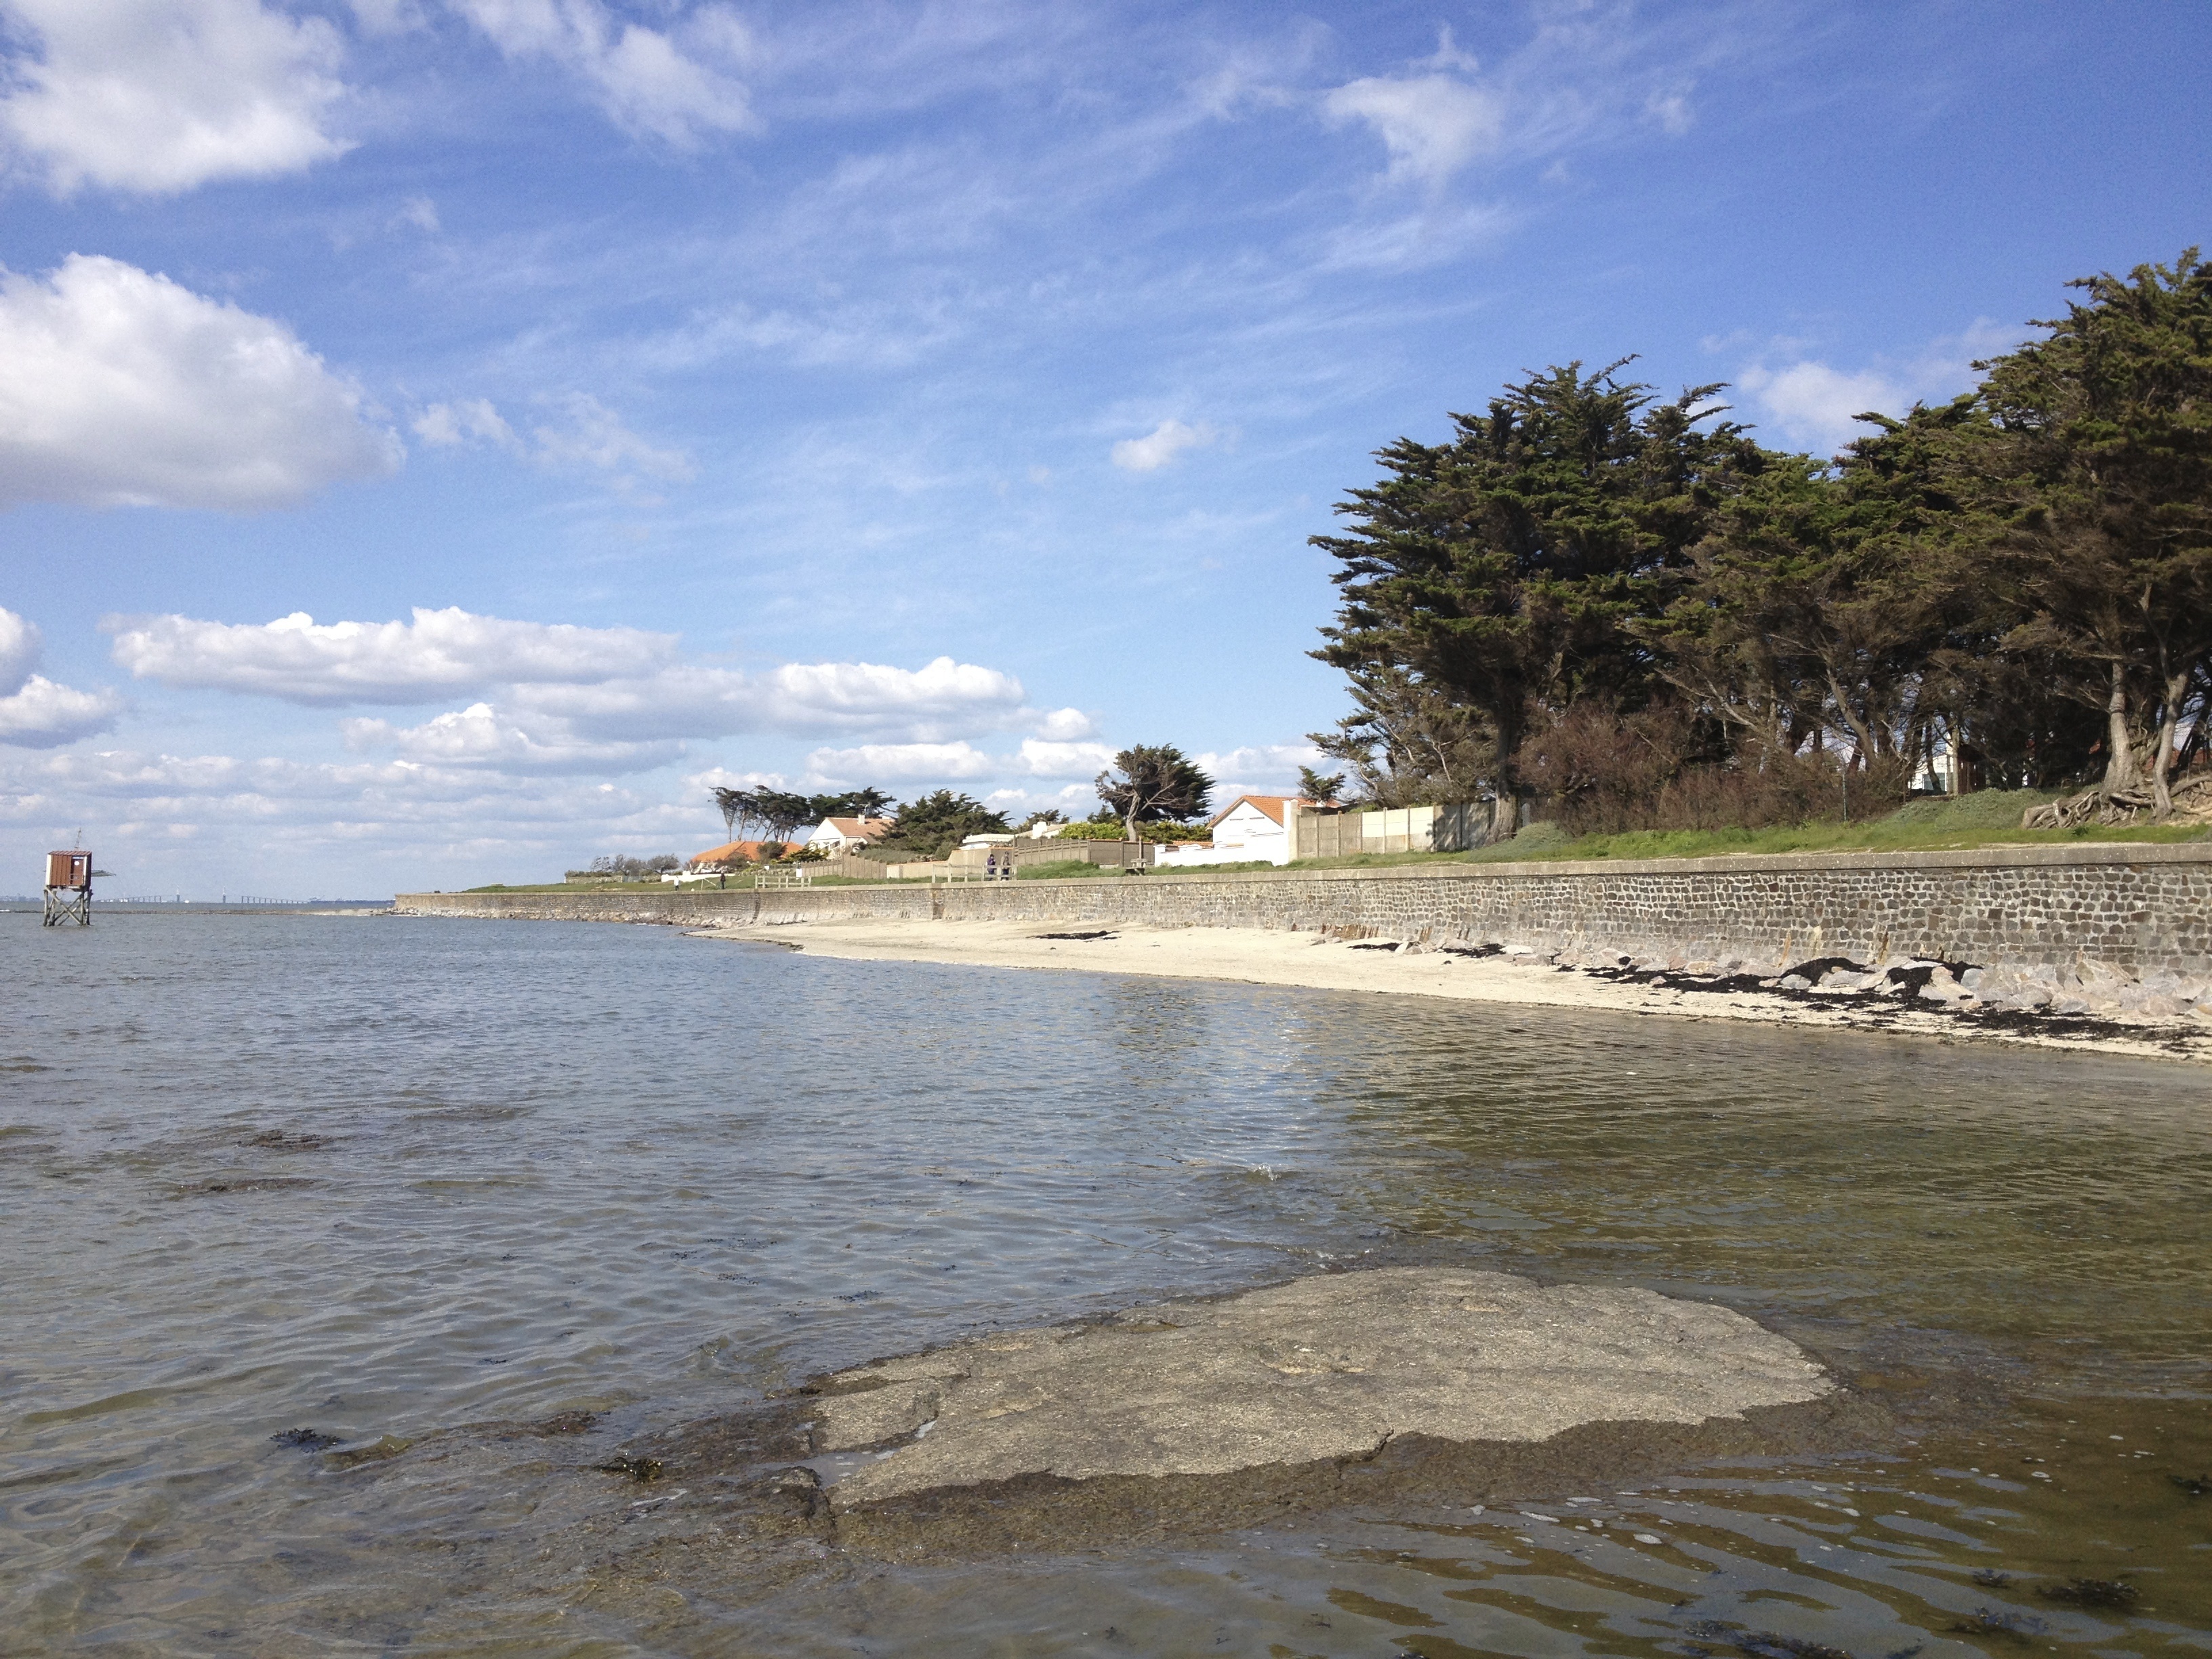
[(2140, 909)]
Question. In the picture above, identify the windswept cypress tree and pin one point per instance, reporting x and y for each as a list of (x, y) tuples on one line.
[(2102, 477), (1497, 574), (1584, 575)]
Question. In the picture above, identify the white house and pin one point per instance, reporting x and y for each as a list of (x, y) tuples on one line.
[(1254, 827), (835, 834)]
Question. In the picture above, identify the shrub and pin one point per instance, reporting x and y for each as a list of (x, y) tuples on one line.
[(1788, 789), (1162, 833)]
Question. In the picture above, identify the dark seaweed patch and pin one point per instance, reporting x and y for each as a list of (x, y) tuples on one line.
[(246, 1184), (1819, 967), (1989, 1621), (1765, 1643), (2093, 1593)]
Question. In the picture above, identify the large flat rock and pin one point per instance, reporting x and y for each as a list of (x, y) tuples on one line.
[(1324, 1368)]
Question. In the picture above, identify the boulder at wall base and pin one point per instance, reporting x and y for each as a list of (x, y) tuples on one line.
[(1321, 1368)]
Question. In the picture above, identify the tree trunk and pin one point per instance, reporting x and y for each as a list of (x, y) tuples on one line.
[(2120, 754), (1860, 735), (2169, 727), (1512, 729)]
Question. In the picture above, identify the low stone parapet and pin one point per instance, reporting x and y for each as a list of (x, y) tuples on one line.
[(2142, 909)]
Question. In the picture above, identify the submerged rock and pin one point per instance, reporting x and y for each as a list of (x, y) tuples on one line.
[(1333, 1367)]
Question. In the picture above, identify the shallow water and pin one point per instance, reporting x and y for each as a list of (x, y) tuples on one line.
[(379, 1177)]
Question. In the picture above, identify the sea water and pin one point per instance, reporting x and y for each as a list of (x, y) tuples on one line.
[(378, 1179)]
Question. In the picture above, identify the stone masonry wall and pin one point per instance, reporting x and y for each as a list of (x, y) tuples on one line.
[(2140, 909)]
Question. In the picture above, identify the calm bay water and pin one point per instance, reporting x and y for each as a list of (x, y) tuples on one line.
[(379, 1177)]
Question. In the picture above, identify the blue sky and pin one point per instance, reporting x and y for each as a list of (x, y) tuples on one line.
[(641, 395)]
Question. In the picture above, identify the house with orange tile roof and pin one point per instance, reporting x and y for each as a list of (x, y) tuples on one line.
[(737, 852), (1251, 828), (837, 834)]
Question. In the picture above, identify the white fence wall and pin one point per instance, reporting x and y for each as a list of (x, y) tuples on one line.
[(1450, 828)]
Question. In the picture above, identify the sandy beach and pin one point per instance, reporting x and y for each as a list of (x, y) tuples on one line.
[(1254, 956)]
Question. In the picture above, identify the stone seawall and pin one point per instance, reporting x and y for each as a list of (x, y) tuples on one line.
[(2140, 909)]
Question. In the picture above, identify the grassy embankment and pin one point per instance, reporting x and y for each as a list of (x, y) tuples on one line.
[(1988, 819)]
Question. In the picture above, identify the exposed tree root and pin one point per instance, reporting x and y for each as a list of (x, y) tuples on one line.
[(2192, 804)]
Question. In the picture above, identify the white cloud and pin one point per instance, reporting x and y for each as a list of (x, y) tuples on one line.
[(565, 686), (1040, 758), (594, 436), (466, 420), (1813, 405), (1066, 725), (36, 713), (591, 435), (160, 96), (676, 86), (20, 648), (1262, 768), (436, 654), (1432, 124), (273, 821), (935, 703), (480, 735), (386, 16), (41, 714), (720, 777), (1160, 446), (834, 691), (901, 762), (121, 388), (1671, 113)]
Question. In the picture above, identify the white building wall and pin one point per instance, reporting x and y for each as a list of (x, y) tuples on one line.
[(1245, 835)]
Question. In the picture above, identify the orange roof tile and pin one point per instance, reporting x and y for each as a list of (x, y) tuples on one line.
[(737, 852), (1272, 806)]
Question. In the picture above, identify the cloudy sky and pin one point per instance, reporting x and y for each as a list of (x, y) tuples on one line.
[(440, 438)]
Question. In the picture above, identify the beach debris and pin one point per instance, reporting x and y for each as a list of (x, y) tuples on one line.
[(1812, 973), (285, 1141), (1765, 1643), (1771, 1644), (384, 1446), (2195, 1484), (1098, 933), (240, 1184), (2106, 1593), (1989, 1621)]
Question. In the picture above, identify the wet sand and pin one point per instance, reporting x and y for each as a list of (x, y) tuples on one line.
[(1255, 956)]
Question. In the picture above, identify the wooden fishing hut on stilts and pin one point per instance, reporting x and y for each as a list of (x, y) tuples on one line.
[(69, 888)]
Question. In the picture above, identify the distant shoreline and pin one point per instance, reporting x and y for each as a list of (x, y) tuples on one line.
[(209, 907)]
